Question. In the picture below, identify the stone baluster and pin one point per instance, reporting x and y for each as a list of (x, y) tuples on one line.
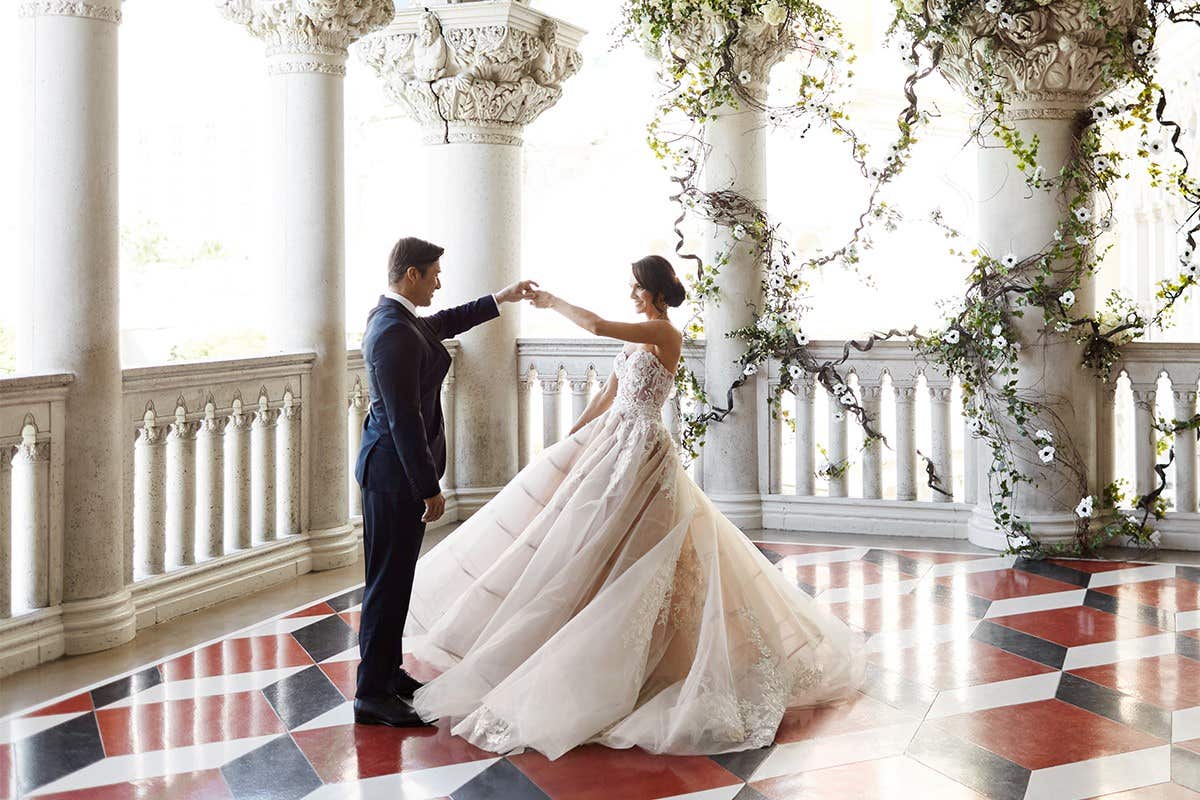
[(941, 449), (70, 287), (838, 432), (237, 478), (872, 475), (450, 415), (474, 75), (803, 389), (1145, 437), (181, 490), (1185, 453), (552, 399), (30, 533), (1106, 436), (6, 504), (307, 44), (287, 467), (149, 498), (262, 472), (971, 466), (210, 484), (906, 439), (527, 384), (775, 424), (579, 394), (356, 417)]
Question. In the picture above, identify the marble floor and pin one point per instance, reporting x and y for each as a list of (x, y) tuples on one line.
[(989, 678)]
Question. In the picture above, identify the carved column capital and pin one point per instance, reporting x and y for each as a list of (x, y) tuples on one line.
[(472, 72), (758, 47), (102, 10), (308, 35), (1049, 59)]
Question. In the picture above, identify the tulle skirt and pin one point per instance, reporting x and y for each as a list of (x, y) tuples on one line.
[(601, 597)]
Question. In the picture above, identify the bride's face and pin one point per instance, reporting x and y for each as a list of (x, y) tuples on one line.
[(643, 301)]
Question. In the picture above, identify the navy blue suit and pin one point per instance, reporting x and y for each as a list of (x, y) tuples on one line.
[(402, 458)]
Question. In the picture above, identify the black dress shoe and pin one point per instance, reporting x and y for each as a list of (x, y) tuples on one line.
[(386, 711), (405, 685)]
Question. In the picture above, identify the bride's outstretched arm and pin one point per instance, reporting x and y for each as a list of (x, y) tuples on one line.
[(598, 404), (656, 332)]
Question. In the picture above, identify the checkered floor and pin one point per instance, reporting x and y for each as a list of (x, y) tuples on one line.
[(989, 678)]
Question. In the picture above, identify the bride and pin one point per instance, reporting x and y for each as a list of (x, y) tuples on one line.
[(601, 597)]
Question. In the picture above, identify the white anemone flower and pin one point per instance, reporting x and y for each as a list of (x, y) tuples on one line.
[(777, 282), (801, 339), (1043, 435), (1046, 454), (750, 369), (739, 232), (1081, 239), (1084, 509), (1083, 214), (992, 6), (1100, 163), (1100, 113), (839, 415), (744, 77), (997, 329), (1006, 20), (795, 370), (1009, 260), (1067, 298), (1039, 172), (1000, 342), (1156, 147), (774, 13), (951, 336), (847, 399), (1058, 236), (1140, 47), (1020, 541)]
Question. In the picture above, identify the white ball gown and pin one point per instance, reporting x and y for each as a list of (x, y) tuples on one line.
[(601, 597)]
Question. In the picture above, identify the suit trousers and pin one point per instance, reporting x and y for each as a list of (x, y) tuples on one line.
[(392, 534)]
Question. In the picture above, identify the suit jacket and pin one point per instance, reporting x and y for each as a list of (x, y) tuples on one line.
[(404, 438)]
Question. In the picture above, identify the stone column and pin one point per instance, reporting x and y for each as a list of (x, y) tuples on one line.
[(307, 43), (474, 74), (1046, 93), (70, 274), (1185, 453)]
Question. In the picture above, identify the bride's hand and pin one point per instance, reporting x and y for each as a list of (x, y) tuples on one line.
[(541, 299)]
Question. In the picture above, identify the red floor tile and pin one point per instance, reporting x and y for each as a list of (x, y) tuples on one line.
[(356, 752), (925, 557), (786, 549), (352, 618), (317, 610), (72, 705), (233, 656), (1169, 594), (205, 785), (1004, 583), (343, 675), (860, 714), (179, 723), (1080, 625), (1171, 681), (1091, 566), (896, 613), (1046, 733), (591, 772), (898, 778), (841, 574), (952, 665), (8, 780), (1160, 791), (419, 669)]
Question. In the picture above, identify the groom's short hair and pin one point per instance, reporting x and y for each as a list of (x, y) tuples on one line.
[(411, 252)]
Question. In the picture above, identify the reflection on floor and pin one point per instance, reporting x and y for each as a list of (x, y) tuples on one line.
[(989, 678)]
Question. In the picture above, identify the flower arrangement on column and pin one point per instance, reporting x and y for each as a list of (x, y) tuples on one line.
[(991, 48)]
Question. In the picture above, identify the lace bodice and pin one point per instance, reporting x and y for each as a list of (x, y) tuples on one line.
[(643, 383)]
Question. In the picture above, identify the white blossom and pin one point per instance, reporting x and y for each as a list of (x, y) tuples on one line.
[(821, 37), (874, 173), (776, 282), (997, 329), (1039, 172), (1000, 342), (1006, 20), (992, 6), (1043, 435), (1046, 454), (1058, 236), (1100, 113), (739, 232), (974, 425), (801, 339), (1083, 214), (1156, 147), (847, 399), (1020, 541), (1100, 163), (1106, 223), (1067, 298), (1140, 47), (744, 77), (1010, 260), (951, 336), (1062, 326), (1156, 538), (1084, 509), (839, 415), (774, 13), (1185, 255), (1081, 239), (795, 370), (750, 369)]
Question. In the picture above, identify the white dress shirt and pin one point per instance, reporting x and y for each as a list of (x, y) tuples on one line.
[(404, 301)]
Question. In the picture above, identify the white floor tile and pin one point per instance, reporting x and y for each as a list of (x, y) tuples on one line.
[(995, 695), (339, 715), (418, 785), (723, 793), (206, 687), (966, 567), (1187, 620), (1093, 655), (922, 637), (1150, 572), (1185, 724), (871, 591), (279, 626), (1036, 602), (14, 729), (824, 557), (832, 751), (1106, 775), (119, 769)]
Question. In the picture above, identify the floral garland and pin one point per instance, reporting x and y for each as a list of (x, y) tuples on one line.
[(980, 343)]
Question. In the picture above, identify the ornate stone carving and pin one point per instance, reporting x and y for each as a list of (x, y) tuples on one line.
[(70, 8), (470, 82), (318, 31), (756, 50), (1052, 56)]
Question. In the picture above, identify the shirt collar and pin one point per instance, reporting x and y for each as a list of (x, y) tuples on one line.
[(402, 300)]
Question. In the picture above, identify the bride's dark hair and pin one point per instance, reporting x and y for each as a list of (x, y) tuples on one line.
[(656, 275)]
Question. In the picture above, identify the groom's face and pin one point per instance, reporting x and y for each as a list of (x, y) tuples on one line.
[(425, 285)]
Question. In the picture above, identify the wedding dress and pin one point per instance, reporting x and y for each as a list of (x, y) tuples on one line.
[(601, 597)]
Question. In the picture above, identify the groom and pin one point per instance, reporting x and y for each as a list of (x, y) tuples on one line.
[(402, 458)]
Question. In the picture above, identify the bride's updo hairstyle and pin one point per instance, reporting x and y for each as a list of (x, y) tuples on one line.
[(656, 275)]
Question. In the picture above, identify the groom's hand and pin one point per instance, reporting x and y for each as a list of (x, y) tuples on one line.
[(434, 508), (521, 290)]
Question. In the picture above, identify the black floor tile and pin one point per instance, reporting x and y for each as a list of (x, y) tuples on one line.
[(326, 637), (57, 752), (1188, 646), (347, 600), (743, 763), (124, 687), (1112, 704), (896, 690), (985, 772), (748, 792), (1185, 768), (276, 771), (1021, 644), (500, 780), (1055, 571), (1188, 573), (1149, 615), (303, 697), (771, 555), (945, 596), (896, 562)]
